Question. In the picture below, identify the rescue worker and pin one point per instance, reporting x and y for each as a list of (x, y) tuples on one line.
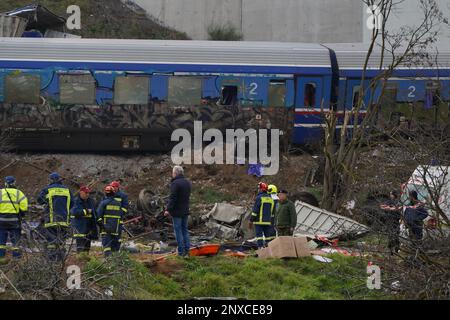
[(122, 195), (262, 216), (415, 213), (83, 219), (286, 216), (272, 190), (57, 200), (13, 207), (109, 217), (393, 214)]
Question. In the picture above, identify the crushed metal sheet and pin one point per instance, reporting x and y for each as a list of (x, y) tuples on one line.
[(314, 221), (226, 213)]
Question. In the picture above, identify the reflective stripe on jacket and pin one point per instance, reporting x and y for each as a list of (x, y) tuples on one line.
[(110, 215), (263, 210), (12, 203), (123, 200), (58, 201)]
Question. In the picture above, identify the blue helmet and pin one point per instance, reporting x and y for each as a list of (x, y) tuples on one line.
[(10, 180), (55, 177)]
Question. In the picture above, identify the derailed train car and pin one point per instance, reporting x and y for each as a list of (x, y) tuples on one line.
[(129, 95)]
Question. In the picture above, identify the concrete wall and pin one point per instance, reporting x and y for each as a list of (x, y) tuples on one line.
[(194, 16), (303, 20), (282, 20), (268, 20)]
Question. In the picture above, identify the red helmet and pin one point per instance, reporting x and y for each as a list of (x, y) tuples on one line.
[(109, 189), (85, 189), (263, 186), (115, 184)]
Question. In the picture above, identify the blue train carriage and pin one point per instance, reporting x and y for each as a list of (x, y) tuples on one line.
[(122, 95), (417, 92)]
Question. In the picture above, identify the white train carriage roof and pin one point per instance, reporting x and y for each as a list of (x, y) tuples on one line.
[(160, 51), (353, 55)]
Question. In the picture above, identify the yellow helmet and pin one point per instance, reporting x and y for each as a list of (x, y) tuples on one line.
[(272, 188)]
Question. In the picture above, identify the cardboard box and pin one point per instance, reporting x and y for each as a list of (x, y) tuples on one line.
[(302, 247), (283, 247), (264, 253), (286, 247)]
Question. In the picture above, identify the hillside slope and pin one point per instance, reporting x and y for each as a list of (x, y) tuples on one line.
[(105, 19)]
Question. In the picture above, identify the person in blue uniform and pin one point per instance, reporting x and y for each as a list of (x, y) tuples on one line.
[(13, 207), (109, 217), (262, 216), (57, 199), (83, 220)]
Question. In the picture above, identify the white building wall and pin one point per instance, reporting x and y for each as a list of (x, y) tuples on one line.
[(282, 20)]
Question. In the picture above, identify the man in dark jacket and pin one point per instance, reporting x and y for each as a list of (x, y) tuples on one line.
[(83, 218), (393, 213), (286, 216), (57, 200), (178, 209), (415, 213)]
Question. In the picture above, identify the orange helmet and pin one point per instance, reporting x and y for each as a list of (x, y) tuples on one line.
[(109, 189), (263, 186)]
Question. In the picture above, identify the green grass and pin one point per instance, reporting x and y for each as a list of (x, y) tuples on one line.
[(316, 191), (226, 32), (251, 278)]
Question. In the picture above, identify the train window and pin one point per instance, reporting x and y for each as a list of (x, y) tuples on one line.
[(131, 90), (355, 97), (310, 95), (229, 96), (277, 93), (77, 89), (185, 91), (22, 88)]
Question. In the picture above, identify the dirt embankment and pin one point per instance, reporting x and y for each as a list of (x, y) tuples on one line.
[(106, 19), (211, 183)]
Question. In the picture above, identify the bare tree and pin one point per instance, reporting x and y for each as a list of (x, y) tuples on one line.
[(396, 48)]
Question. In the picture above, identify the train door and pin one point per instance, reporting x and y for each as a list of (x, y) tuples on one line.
[(308, 110), (309, 93)]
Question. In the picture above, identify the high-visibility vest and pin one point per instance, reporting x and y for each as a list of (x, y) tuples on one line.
[(63, 213), (12, 202), (266, 211)]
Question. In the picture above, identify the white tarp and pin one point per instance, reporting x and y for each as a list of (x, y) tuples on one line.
[(435, 178)]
